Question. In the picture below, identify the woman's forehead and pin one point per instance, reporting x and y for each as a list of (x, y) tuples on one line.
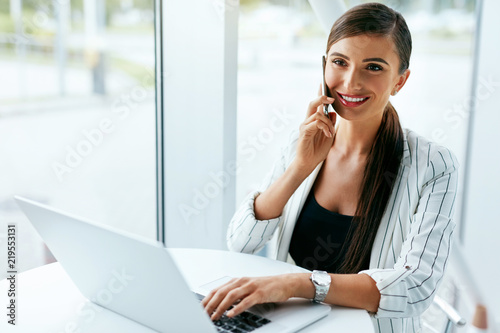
[(366, 45)]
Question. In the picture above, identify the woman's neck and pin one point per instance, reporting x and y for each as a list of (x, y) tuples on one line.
[(355, 138)]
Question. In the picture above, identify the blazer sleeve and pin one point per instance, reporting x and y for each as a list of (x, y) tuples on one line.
[(408, 289), (246, 233)]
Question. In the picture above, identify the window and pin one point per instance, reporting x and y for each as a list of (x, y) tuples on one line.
[(77, 115)]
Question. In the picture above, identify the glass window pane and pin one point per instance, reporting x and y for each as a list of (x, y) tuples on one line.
[(279, 73), (77, 115)]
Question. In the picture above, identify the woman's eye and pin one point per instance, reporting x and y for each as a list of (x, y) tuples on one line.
[(375, 68), (339, 62)]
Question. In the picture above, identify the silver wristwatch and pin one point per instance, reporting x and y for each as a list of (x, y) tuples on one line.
[(321, 281)]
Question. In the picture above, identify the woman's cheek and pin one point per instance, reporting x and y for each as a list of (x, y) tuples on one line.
[(331, 79), (378, 86)]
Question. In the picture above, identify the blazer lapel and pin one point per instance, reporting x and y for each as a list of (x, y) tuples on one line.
[(383, 239)]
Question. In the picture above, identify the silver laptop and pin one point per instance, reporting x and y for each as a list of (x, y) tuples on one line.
[(138, 279)]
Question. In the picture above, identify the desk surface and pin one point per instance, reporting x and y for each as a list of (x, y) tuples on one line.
[(48, 301)]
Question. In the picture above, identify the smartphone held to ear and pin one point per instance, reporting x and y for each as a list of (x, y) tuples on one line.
[(327, 108)]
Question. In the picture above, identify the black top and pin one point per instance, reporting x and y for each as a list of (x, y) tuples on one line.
[(320, 238)]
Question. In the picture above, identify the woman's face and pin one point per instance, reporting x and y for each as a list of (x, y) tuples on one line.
[(361, 73)]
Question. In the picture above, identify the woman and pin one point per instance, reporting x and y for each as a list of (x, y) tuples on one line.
[(363, 202)]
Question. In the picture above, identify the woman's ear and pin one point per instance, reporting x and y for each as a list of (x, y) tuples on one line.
[(401, 82)]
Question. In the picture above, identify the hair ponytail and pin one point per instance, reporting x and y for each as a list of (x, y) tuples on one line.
[(381, 169)]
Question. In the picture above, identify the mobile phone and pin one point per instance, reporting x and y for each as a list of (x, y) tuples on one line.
[(325, 91)]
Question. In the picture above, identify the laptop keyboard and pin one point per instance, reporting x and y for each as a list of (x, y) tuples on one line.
[(242, 323)]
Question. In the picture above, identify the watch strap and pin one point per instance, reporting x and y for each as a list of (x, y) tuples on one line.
[(320, 290)]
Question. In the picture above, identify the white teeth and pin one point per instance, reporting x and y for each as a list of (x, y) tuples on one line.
[(350, 99)]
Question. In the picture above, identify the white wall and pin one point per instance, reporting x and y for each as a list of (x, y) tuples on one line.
[(482, 218), (200, 63)]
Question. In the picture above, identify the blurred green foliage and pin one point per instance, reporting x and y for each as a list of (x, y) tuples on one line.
[(6, 23), (137, 71), (30, 7), (250, 2), (4, 6)]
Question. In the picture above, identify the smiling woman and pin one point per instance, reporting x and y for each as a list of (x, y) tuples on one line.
[(358, 78), (365, 204)]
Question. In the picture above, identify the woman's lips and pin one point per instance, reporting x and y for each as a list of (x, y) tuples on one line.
[(352, 100)]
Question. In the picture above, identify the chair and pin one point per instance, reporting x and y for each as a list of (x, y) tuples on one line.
[(453, 317)]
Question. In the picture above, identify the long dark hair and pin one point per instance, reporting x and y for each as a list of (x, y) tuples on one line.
[(384, 159)]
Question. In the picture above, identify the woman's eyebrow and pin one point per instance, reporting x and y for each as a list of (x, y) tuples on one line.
[(339, 55), (364, 60), (375, 59)]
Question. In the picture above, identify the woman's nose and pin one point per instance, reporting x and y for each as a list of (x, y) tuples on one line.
[(352, 80)]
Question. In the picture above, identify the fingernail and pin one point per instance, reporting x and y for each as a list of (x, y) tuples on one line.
[(230, 313), (331, 98)]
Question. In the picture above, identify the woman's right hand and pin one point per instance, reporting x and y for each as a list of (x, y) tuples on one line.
[(315, 140), (316, 135)]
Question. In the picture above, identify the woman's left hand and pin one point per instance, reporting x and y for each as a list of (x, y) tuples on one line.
[(248, 291)]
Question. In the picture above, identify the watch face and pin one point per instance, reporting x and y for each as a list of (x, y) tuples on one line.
[(322, 278)]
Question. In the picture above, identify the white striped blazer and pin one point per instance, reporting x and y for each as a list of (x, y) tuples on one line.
[(412, 244)]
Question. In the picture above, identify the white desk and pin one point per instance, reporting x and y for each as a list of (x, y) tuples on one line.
[(48, 301)]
